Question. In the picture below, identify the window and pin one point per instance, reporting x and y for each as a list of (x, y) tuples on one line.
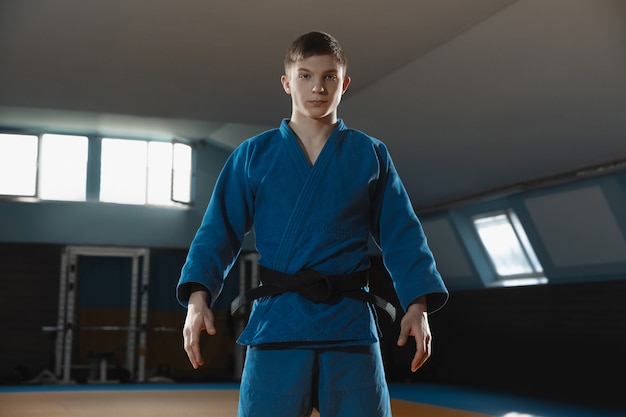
[(159, 173), (181, 173), (123, 171), (18, 165), (53, 168), (63, 167), (145, 172), (56, 167), (509, 249)]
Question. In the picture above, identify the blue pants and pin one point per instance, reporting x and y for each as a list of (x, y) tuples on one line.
[(339, 381)]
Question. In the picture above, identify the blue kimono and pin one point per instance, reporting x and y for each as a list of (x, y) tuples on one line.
[(303, 354), (316, 216)]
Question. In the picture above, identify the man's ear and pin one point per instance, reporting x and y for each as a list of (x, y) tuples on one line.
[(346, 83), (285, 82)]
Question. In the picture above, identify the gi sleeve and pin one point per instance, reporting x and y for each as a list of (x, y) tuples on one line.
[(399, 234), (218, 240)]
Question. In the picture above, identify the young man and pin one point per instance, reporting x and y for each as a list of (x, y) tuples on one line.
[(314, 191)]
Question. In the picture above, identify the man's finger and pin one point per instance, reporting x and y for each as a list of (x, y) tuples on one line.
[(418, 360), (191, 342), (422, 353), (404, 335)]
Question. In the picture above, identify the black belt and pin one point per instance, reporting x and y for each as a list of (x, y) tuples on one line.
[(313, 286)]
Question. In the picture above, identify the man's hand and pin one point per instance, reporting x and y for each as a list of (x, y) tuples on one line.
[(199, 317), (415, 323)]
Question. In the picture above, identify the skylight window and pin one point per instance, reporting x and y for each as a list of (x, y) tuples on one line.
[(508, 247)]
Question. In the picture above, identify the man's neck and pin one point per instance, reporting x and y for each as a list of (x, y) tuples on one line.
[(312, 135), (312, 131)]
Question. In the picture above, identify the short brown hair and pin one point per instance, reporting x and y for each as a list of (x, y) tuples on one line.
[(315, 43)]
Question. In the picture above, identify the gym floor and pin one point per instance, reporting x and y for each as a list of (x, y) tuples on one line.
[(220, 400)]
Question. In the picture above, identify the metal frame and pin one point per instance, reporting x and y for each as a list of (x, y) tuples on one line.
[(67, 305)]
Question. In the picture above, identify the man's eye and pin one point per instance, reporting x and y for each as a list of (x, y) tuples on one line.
[(304, 76), (331, 77)]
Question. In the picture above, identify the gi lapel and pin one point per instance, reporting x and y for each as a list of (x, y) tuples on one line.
[(315, 176)]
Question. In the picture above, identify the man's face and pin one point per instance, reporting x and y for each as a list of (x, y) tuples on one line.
[(315, 85)]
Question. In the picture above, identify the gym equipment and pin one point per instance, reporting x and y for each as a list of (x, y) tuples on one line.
[(66, 326)]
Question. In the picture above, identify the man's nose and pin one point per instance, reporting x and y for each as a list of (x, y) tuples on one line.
[(319, 88)]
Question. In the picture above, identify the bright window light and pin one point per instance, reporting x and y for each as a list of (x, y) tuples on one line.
[(63, 167), (159, 173), (18, 164), (142, 172), (181, 173), (508, 246), (123, 171)]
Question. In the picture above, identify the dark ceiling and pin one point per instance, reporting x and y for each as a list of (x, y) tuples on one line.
[(469, 95)]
